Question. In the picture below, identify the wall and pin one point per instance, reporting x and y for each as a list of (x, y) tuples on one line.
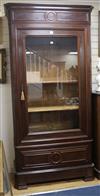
[(6, 122), (6, 127)]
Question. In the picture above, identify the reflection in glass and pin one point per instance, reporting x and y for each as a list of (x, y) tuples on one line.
[(52, 82)]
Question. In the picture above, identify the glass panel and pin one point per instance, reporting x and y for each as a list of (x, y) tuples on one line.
[(52, 83)]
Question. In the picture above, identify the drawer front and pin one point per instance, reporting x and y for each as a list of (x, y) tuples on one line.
[(69, 156)]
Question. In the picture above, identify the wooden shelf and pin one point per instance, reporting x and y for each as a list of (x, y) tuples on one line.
[(53, 108), (53, 81)]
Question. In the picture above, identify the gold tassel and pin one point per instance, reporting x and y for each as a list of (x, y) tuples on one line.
[(22, 96)]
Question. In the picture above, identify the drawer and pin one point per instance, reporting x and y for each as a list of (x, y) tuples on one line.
[(53, 157)]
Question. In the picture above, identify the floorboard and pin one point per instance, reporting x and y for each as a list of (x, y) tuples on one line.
[(38, 188)]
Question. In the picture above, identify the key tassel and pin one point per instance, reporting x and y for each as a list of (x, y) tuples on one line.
[(22, 96)]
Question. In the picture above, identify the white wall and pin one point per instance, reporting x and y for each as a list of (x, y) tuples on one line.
[(6, 125), (6, 121)]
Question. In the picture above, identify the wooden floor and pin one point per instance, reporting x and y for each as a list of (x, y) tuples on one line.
[(53, 186)]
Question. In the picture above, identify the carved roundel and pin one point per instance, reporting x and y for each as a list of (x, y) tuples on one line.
[(55, 157), (51, 16)]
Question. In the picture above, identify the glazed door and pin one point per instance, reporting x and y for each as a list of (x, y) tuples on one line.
[(52, 83), (53, 93)]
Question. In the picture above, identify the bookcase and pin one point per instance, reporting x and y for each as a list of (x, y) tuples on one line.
[(51, 92), (96, 131)]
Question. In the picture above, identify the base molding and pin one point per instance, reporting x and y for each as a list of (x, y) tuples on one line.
[(24, 179)]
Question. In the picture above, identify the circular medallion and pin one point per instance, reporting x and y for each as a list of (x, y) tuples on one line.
[(55, 157), (51, 16)]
